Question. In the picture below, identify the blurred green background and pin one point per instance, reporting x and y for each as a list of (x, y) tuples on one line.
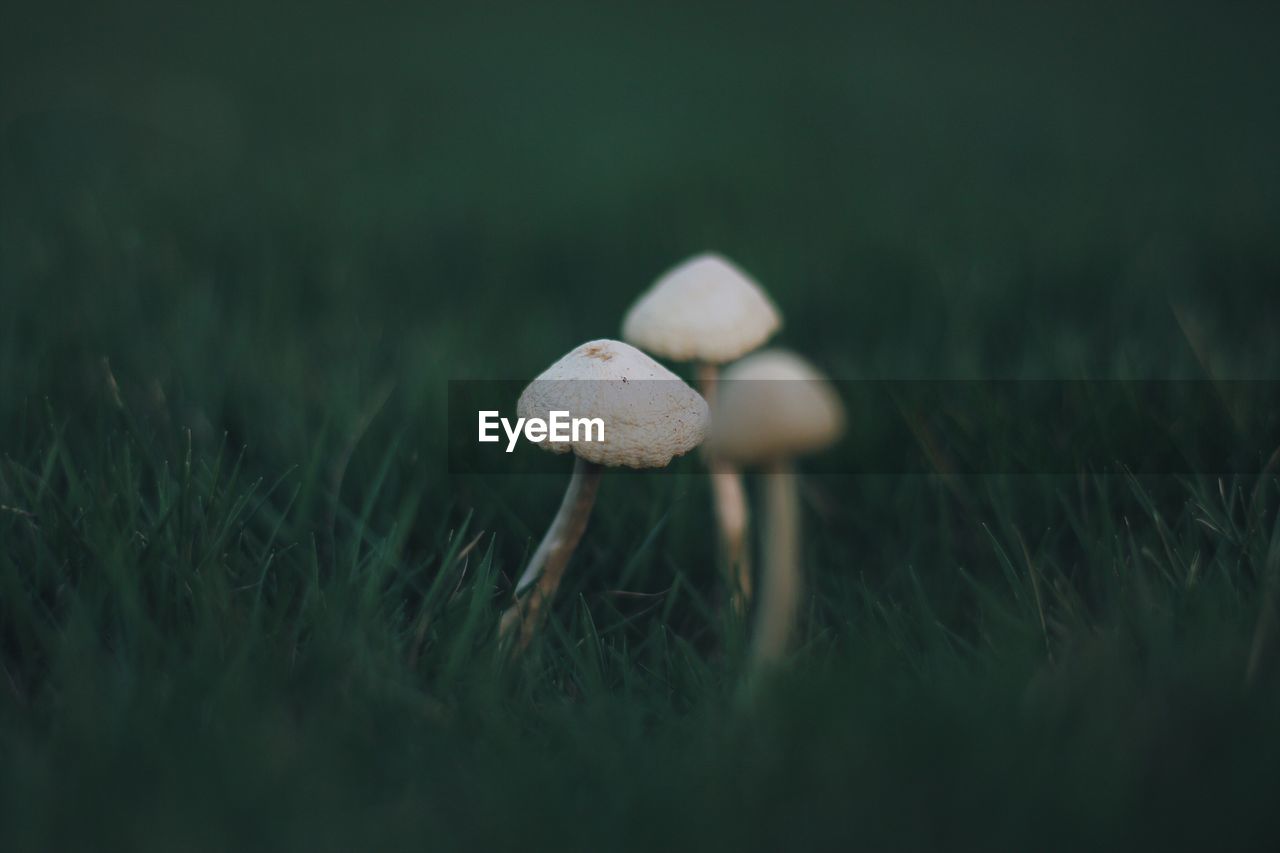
[(274, 232)]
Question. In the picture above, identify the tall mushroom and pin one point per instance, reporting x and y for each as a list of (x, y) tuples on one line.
[(710, 312), (649, 416), (773, 407)]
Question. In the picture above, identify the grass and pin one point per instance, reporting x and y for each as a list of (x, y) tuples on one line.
[(244, 604)]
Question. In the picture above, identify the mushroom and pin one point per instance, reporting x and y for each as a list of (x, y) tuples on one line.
[(773, 407), (708, 311), (649, 417)]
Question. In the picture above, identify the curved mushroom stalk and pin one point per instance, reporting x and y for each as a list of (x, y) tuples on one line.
[(541, 578), (652, 417), (782, 584), (729, 500)]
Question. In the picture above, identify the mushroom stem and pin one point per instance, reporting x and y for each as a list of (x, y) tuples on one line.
[(541, 578), (729, 499), (782, 584), (731, 515)]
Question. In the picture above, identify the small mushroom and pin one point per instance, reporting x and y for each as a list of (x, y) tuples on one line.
[(649, 416), (774, 406), (710, 312)]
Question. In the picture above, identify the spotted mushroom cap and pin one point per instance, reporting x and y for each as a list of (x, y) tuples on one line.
[(774, 405), (706, 309), (650, 415)]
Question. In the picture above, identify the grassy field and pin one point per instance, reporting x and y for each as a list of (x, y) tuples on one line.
[(243, 603)]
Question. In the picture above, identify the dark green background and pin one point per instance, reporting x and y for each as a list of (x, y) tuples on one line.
[(285, 227)]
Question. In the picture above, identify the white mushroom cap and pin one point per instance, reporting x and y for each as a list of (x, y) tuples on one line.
[(775, 405), (706, 309), (650, 415)]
